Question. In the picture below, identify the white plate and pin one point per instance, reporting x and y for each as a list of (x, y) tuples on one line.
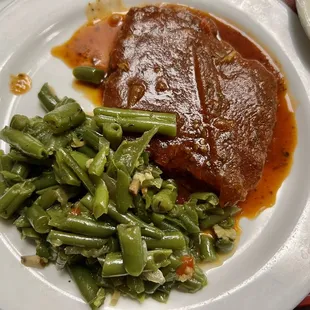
[(303, 8), (270, 269)]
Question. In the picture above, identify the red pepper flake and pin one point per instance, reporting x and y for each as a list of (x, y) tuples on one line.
[(76, 211), (187, 261)]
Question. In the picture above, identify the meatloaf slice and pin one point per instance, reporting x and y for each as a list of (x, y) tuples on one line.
[(171, 59)]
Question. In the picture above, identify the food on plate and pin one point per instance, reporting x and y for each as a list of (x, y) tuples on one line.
[(95, 203), (226, 105), (132, 198)]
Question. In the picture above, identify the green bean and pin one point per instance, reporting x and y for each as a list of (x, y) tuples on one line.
[(53, 143), (43, 250), (21, 169), (139, 124), (164, 200), (101, 199), (23, 142), (113, 132), (48, 99), (81, 159), (212, 220), (15, 155), (6, 162), (209, 197), (150, 287), (132, 294), (44, 190), (10, 177), (92, 138), (14, 198), (129, 218), (207, 249), (29, 233), (191, 226), (65, 117), (83, 226), (22, 222), (98, 164), (190, 286), (3, 187), (113, 265), (47, 199), (45, 180), (228, 223), (87, 201), (123, 198), (171, 240), (65, 100), (88, 252), (64, 174), (130, 113), (134, 255), (160, 296), (78, 170), (87, 286), (129, 152), (57, 238), (157, 259), (19, 122), (111, 185), (88, 151), (157, 183), (224, 246), (38, 219), (135, 284), (89, 74)]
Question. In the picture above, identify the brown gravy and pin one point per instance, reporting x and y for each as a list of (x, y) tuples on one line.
[(20, 84), (92, 43)]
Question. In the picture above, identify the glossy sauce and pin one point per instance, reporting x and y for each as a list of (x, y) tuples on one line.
[(91, 45), (20, 84)]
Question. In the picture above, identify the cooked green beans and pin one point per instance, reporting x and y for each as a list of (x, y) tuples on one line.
[(86, 283), (98, 164), (113, 132), (101, 199), (67, 158), (38, 218), (58, 238), (65, 117), (14, 198), (138, 121), (19, 122), (171, 240), (134, 254), (140, 124), (48, 99), (89, 74), (83, 226), (207, 249), (21, 169), (212, 220), (94, 201), (23, 142), (123, 197), (113, 264)]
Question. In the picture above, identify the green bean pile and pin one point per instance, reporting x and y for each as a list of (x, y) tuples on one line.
[(94, 203)]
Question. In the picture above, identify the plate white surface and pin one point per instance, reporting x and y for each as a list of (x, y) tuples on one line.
[(303, 8), (270, 269)]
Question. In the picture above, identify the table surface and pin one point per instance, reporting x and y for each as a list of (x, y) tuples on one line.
[(291, 3)]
